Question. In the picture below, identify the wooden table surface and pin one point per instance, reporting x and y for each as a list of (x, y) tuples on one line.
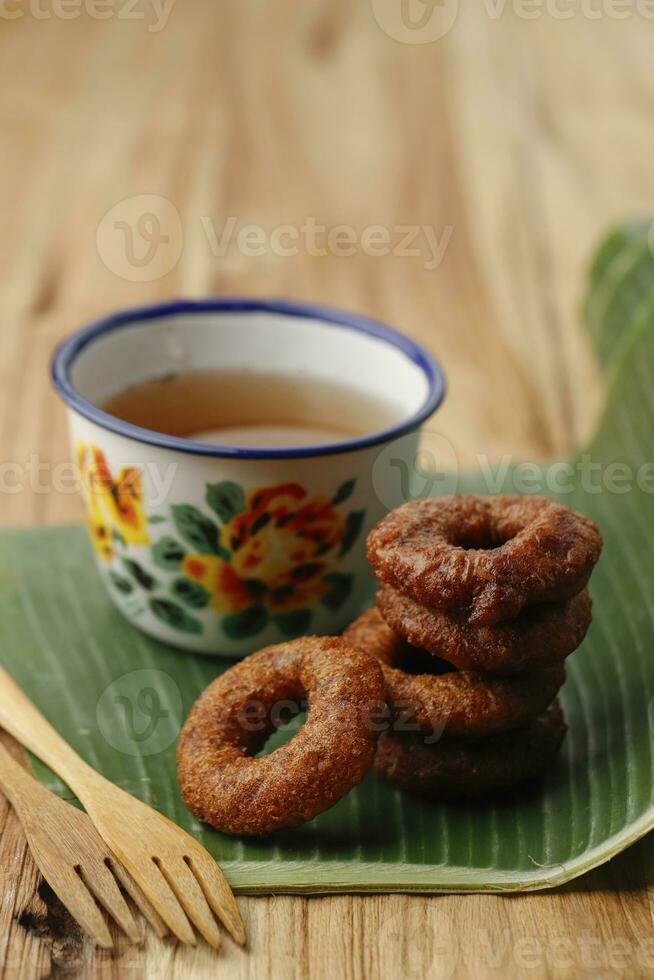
[(502, 149)]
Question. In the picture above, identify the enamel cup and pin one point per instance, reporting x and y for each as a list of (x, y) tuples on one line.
[(221, 549)]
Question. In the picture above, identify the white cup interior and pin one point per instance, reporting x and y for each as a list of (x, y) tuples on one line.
[(267, 341)]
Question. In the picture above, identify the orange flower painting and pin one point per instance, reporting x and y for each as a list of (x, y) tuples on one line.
[(276, 552)]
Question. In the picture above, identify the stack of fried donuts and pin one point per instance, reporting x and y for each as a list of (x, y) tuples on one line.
[(481, 601), (458, 667)]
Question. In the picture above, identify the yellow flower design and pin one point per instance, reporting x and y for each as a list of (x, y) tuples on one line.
[(112, 503)]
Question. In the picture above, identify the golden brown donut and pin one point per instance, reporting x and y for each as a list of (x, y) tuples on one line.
[(449, 703), (221, 781), (539, 636), (487, 557), (454, 769)]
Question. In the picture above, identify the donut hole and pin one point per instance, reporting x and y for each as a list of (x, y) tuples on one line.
[(481, 536), (283, 733), (266, 720), (416, 660)]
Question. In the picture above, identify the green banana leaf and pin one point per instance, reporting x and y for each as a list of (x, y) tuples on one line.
[(119, 697)]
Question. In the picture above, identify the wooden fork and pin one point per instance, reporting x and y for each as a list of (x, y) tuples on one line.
[(73, 858), (176, 873)]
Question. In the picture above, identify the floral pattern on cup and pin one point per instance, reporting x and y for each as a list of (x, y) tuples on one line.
[(114, 505), (258, 557)]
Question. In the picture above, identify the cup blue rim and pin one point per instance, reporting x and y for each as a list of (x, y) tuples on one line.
[(66, 353)]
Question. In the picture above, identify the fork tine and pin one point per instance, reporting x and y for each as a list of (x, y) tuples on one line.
[(139, 898), (217, 892), (187, 889), (101, 883), (74, 894), (155, 885)]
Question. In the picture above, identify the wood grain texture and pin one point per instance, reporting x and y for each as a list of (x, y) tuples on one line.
[(523, 136), (63, 843)]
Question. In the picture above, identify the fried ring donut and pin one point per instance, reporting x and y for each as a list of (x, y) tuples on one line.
[(456, 704), (488, 557), (539, 637), (221, 781), (459, 770)]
